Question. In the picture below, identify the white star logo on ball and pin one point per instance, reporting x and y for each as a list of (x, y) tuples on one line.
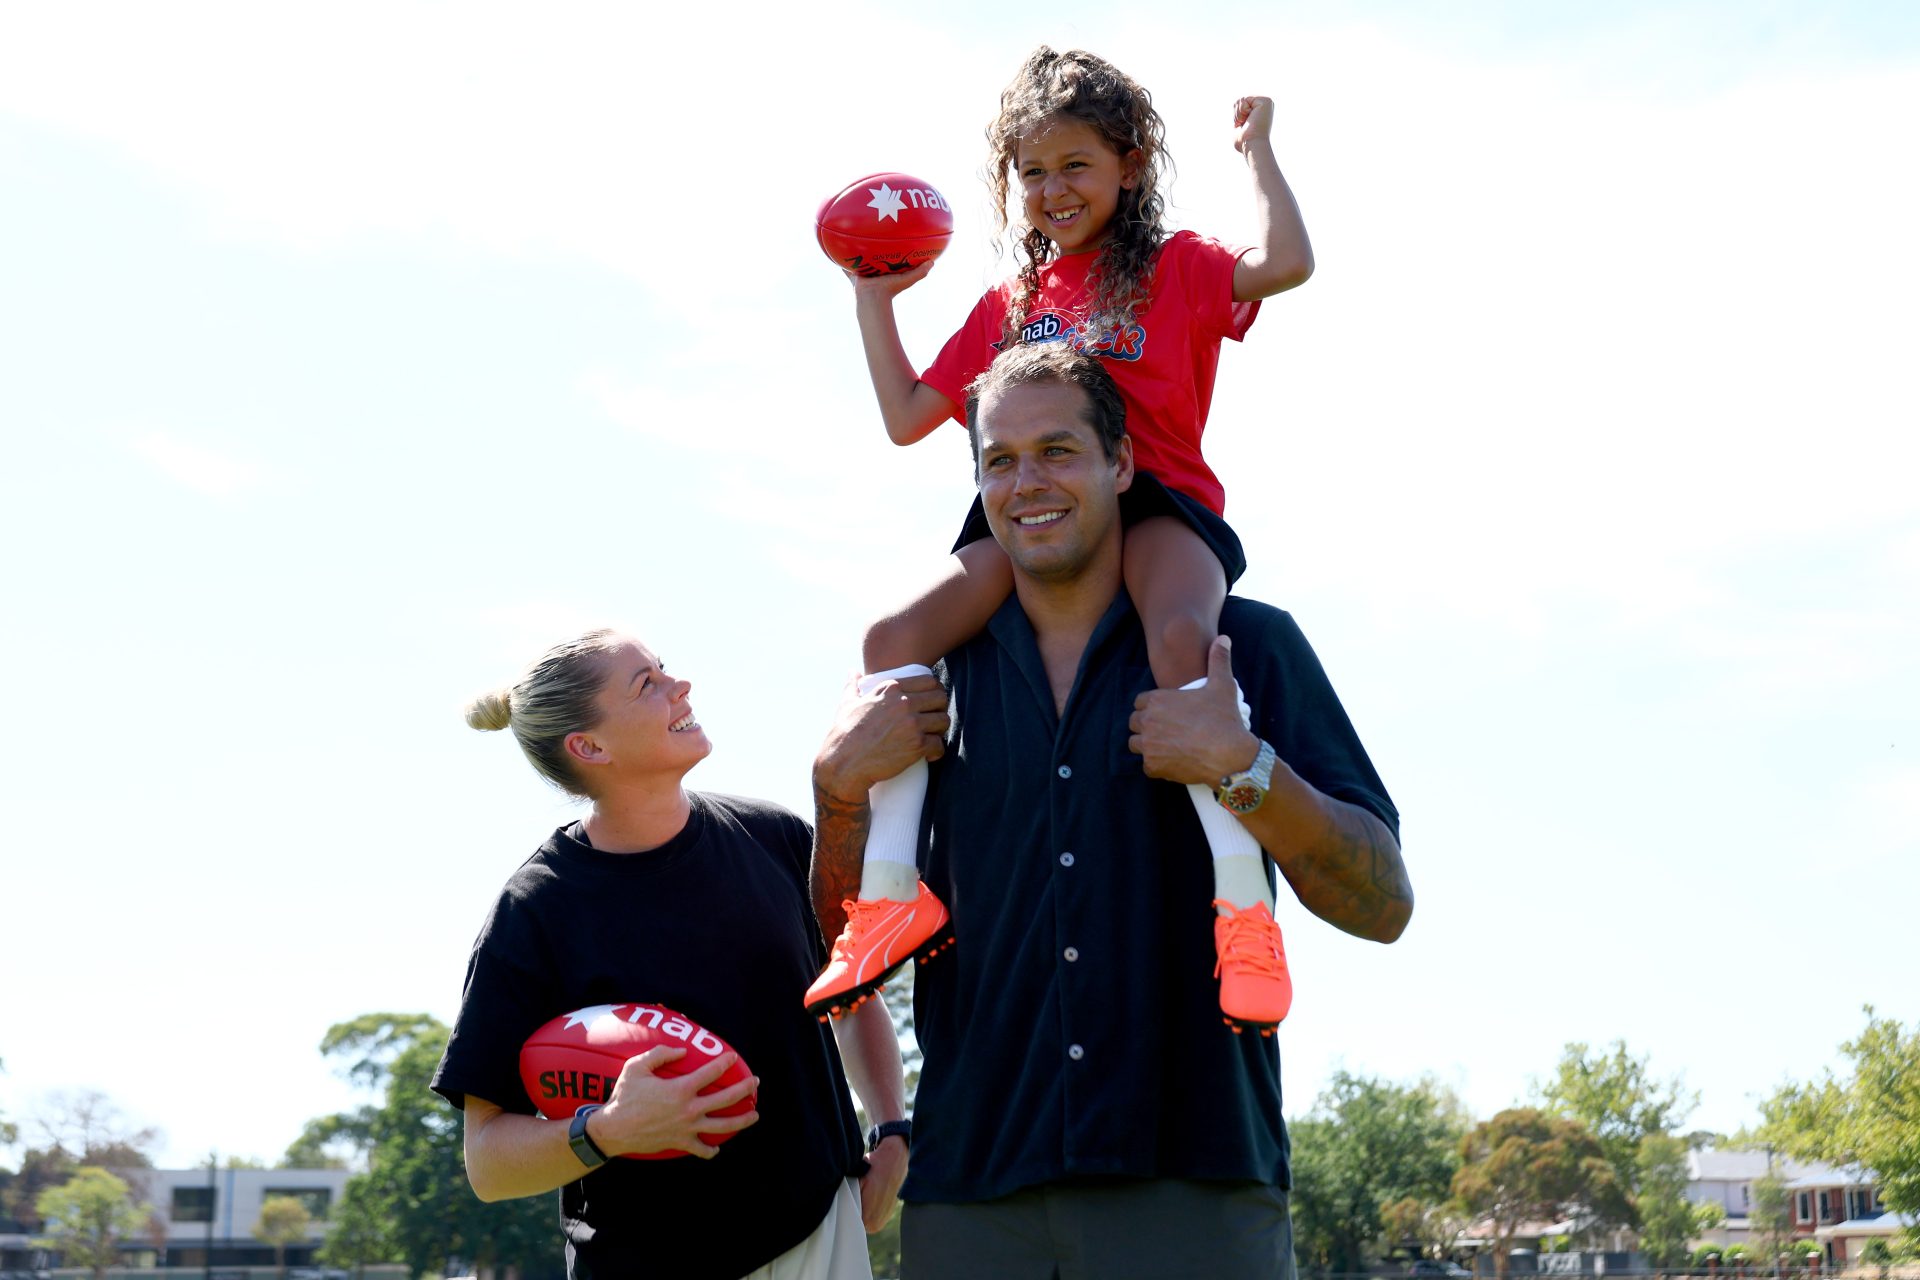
[(590, 1016), (886, 202)]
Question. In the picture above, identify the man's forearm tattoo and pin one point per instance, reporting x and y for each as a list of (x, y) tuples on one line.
[(839, 848), (1361, 883)]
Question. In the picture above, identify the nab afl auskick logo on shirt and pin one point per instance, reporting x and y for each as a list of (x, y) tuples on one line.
[(1128, 343)]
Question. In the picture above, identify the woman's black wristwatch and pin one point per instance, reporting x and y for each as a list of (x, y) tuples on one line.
[(881, 1132), (581, 1141)]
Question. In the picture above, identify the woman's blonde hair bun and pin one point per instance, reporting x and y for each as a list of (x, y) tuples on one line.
[(491, 711)]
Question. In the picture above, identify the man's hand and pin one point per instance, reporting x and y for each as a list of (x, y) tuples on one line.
[(877, 735), (1252, 122), (880, 1188), (1194, 735), (649, 1112)]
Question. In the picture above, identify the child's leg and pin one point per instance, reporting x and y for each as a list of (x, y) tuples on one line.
[(1178, 588), (896, 917), (951, 611), (954, 609)]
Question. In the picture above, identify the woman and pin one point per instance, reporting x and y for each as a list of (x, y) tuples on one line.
[(694, 901)]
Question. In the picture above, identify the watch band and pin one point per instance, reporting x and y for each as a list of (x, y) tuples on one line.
[(581, 1141), (1243, 792), (881, 1132)]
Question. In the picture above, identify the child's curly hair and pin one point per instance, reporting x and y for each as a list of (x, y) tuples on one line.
[(1080, 86)]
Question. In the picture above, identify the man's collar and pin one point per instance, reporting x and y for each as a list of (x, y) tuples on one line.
[(1013, 630)]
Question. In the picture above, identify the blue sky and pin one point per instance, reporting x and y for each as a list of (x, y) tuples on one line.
[(352, 356)]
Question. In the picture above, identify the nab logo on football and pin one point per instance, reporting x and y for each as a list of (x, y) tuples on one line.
[(884, 224), (577, 1058), (888, 203)]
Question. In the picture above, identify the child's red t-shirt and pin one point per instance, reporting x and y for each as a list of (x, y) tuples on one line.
[(1164, 363)]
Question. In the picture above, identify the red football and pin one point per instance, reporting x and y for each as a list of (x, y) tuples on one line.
[(575, 1059), (883, 224)]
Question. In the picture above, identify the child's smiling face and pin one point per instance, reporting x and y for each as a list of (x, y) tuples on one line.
[(1071, 179)]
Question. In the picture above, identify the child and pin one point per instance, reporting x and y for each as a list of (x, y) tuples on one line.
[(1085, 147)]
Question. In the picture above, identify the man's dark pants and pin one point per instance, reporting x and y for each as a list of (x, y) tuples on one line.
[(1118, 1230)]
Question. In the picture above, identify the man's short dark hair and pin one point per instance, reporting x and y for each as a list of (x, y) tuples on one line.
[(1042, 362)]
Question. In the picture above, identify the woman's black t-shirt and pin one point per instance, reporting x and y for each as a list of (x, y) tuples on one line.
[(715, 924)]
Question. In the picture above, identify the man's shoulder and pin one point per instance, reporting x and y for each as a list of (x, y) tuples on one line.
[(1269, 648), (1249, 620)]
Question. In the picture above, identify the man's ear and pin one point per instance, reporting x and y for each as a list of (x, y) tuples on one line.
[(1123, 464)]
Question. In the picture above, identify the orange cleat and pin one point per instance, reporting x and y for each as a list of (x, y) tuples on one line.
[(881, 935), (1255, 989)]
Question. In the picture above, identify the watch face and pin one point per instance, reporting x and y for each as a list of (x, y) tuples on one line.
[(1242, 797)]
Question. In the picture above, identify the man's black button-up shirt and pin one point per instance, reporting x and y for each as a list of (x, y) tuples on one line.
[(1074, 1029)]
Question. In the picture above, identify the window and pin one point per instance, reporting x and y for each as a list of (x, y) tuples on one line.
[(1746, 1195), (317, 1199), (192, 1204), (1803, 1207)]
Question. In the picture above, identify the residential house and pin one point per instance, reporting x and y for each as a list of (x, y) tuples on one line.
[(1840, 1208)]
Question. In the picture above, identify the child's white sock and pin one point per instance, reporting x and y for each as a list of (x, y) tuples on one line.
[(1239, 875), (890, 869)]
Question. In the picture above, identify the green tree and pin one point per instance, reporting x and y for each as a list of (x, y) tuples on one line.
[(360, 1230), (1868, 1117), (1770, 1218), (1525, 1165), (413, 1199), (1669, 1222), (86, 1217), (9, 1132), (1368, 1143), (1435, 1227), (283, 1221), (330, 1142), (39, 1170), (1626, 1107), (1619, 1100)]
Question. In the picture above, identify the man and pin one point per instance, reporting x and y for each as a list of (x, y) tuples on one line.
[(1082, 1111)]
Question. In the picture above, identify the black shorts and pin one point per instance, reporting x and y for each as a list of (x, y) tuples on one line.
[(1137, 1229), (1143, 500)]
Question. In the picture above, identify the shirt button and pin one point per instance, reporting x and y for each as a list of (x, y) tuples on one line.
[(1065, 772), (1066, 859), (1072, 954), (1075, 1052)]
